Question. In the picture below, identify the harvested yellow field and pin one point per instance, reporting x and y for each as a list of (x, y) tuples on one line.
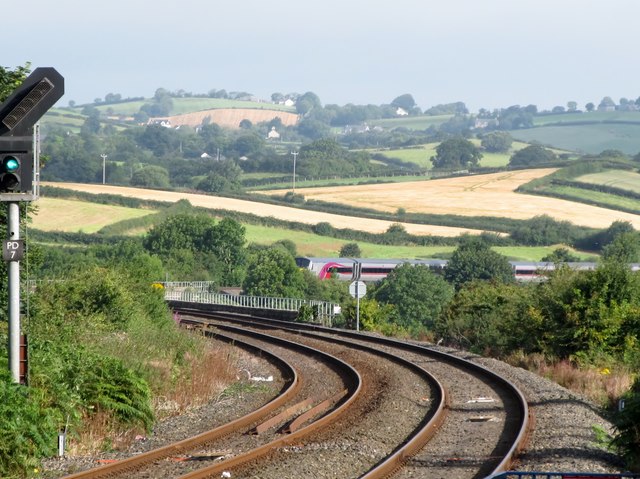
[(231, 117), (261, 209), (477, 195), (57, 214)]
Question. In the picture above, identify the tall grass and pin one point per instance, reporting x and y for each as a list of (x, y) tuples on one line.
[(207, 376), (601, 385)]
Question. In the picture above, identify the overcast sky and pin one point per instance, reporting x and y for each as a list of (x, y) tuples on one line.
[(486, 53)]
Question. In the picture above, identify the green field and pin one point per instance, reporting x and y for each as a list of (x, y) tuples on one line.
[(69, 120), (309, 244), (418, 155), (421, 155), (588, 138), (626, 180), (412, 122), (605, 200), (588, 117)]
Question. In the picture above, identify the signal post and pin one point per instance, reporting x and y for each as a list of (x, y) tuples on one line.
[(19, 178)]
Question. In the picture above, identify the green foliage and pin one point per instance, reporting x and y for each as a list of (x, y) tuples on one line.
[(396, 234), (488, 318), (181, 231), (543, 230), (224, 176), (331, 290), (531, 156), (455, 108), (80, 383), (28, 427), (96, 340), (307, 314), (97, 293), (497, 142), (456, 153), (288, 245), (589, 314), (151, 177), (474, 260), (603, 238), (291, 197), (326, 157), (12, 79), (417, 294), (273, 272), (226, 240), (625, 248), (516, 117), (627, 423), (307, 102), (110, 386), (324, 229), (350, 250), (406, 102), (195, 247), (561, 255), (374, 316)]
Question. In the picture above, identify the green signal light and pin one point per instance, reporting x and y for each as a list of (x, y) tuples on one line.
[(11, 164)]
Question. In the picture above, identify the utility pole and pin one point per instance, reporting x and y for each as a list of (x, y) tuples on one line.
[(104, 167), (295, 155)]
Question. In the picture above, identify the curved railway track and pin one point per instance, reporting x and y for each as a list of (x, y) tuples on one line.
[(354, 429), (491, 412), (346, 384)]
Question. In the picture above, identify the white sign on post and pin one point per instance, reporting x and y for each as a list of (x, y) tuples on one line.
[(357, 289)]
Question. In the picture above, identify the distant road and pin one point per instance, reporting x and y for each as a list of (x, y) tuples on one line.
[(265, 210)]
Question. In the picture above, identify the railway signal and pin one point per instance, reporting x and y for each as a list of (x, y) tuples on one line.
[(19, 173), (19, 114), (12, 179)]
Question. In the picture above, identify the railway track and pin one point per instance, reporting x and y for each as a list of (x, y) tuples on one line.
[(487, 421), (302, 382), (395, 418)]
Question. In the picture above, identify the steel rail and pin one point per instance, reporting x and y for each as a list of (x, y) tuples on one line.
[(355, 390), (139, 461), (421, 435), (525, 415)]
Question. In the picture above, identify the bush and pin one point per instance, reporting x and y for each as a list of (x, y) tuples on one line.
[(543, 230), (100, 342), (28, 427), (350, 250), (486, 318), (627, 439)]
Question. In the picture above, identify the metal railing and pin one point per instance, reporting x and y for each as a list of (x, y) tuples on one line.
[(200, 292)]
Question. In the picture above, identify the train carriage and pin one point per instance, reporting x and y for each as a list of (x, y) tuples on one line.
[(367, 269), (364, 269)]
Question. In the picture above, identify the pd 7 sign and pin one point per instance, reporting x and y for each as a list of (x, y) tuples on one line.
[(12, 250)]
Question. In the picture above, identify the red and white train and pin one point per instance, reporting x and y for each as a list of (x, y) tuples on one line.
[(365, 269)]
